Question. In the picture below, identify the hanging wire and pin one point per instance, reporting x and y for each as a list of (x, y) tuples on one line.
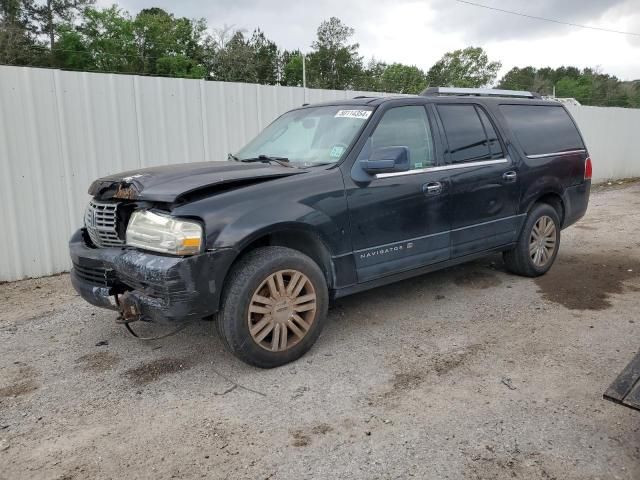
[(552, 20)]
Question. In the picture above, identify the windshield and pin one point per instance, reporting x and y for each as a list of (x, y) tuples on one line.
[(309, 136)]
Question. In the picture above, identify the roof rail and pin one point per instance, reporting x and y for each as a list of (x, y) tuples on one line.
[(480, 92)]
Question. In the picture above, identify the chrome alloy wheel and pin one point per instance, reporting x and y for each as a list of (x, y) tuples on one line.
[(542, 243), (282, 310)]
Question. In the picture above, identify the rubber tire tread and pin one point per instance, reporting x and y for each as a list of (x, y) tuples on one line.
[(518, 260), (244, 278)]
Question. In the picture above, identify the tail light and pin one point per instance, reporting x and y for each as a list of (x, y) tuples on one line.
[(588, 169)]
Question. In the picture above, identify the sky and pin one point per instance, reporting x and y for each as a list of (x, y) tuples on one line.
[(420, 32)]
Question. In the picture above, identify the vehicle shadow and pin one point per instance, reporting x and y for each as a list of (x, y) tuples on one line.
[(353, 314)]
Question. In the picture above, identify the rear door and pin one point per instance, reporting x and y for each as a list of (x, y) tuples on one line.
[(484, 181), (550, 141)]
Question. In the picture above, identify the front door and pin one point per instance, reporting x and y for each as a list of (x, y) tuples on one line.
[(484, 181), (400, 221)]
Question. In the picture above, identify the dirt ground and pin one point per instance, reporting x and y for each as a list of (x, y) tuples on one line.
[(466, 373)]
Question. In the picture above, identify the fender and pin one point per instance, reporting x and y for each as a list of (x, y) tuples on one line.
[(540, 187), (314, 205), (317, 203), (266, 220), (319, 235)]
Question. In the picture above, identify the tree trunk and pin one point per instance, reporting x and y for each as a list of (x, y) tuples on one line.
[(50, 24)]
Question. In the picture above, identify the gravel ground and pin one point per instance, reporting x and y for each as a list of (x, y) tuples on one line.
[(465, 373)]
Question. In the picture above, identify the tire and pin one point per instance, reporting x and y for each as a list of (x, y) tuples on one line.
[(519, 260), (288, 296)]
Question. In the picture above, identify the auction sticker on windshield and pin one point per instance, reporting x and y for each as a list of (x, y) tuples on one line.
[(353, 114), (336, 151)]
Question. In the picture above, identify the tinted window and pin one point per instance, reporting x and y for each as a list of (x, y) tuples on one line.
[(408, 127), (542, 129), (492, 136), (465, 133)]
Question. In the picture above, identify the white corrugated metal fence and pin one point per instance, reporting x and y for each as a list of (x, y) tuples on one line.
[(613, 138), (61, 130)]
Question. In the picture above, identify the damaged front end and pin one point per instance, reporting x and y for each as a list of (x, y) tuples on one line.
[(145, 286), (135, 257)]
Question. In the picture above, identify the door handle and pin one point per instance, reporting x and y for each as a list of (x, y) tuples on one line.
[(433, 188), (510, 177)]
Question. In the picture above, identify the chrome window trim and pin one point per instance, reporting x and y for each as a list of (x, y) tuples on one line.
[(556, 154), (443, 167)]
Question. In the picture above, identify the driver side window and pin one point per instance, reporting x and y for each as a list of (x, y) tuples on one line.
[(407, 127)]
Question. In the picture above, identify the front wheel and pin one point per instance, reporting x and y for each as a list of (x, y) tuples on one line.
[(273, 307), (538, 243)]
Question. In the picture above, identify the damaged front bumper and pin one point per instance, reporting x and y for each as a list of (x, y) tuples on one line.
[(149, 286)]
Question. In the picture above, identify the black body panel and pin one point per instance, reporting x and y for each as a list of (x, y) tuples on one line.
[(172, 182), (575, 201)]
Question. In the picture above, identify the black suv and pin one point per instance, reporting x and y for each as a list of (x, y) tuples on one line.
[(329, 200)]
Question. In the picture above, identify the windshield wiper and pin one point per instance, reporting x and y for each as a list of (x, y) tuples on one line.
[(231, 156), (320, 164), (284, 161)]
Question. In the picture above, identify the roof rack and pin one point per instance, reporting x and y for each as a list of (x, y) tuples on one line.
[(480, 92)]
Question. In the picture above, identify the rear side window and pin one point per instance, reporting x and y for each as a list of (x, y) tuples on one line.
[(542, 129), (470, 134)]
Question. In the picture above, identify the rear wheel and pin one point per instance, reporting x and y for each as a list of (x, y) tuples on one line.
[(538, 243), (273, 307)]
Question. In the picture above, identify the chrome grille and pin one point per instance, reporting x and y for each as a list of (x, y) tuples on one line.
[(101, 223)]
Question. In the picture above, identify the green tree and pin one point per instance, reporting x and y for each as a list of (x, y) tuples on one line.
[(266, 58), (606, 90), (518, 79), (233, 60), (371, 77), (179, 66), (399, 78), (291, 68), (50, 15), (19, 44), (70, 51), (527, 78), (154, 42), (334, 63), (105, 41), (580, 88), (463, 68), (237, 58), (589, 86), (168, 45), (632, 90)]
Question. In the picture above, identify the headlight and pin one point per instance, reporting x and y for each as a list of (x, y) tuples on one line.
[(163, 233)]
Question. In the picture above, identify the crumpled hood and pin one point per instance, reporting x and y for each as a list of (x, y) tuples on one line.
[(169, 183)]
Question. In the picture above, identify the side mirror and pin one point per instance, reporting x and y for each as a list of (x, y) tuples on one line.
[(387, 160)]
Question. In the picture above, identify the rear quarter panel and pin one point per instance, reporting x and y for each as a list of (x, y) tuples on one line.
[(539, 176)]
